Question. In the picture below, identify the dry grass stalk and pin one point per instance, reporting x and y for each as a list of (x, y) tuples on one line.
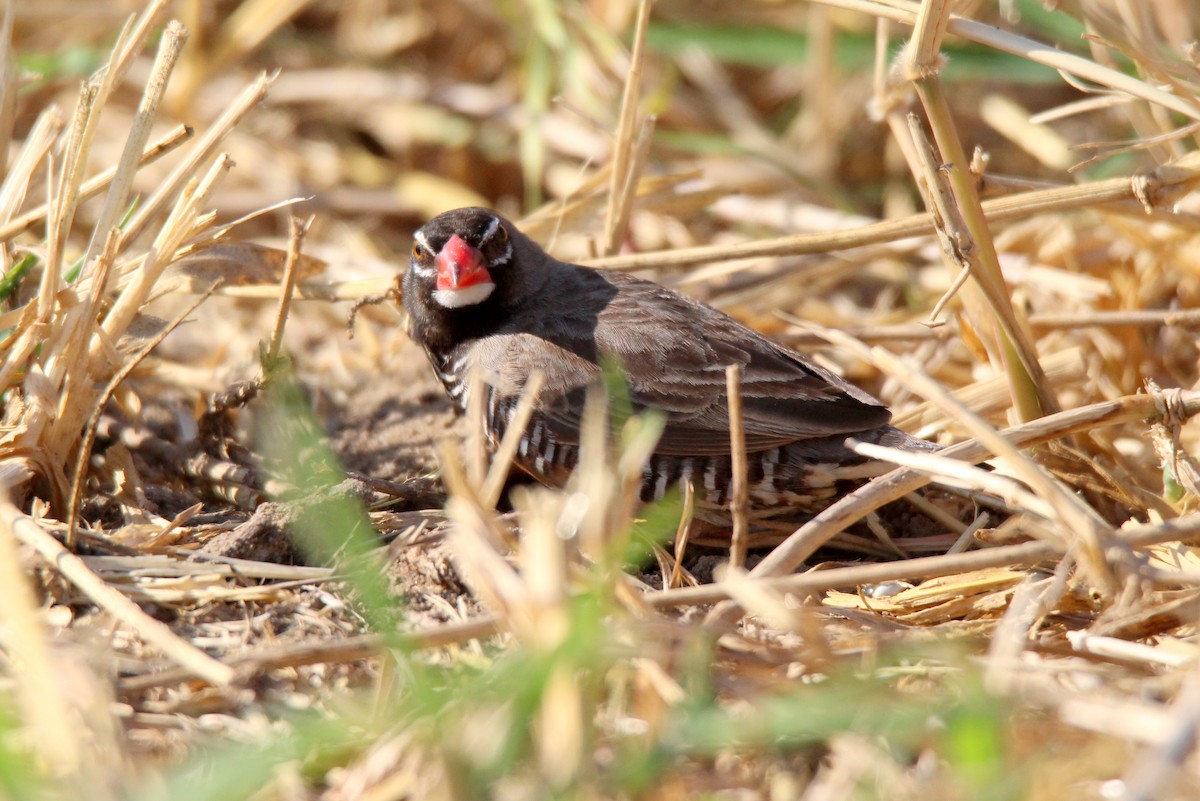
[(121, 188), (463, 506), (184, 222), (34, 150), (249, 25), (838, 516), (1149, 318), (1001, 556), (1151, 189), (36, 146), (72, 568), (32, 665), (477, 431), (94, 95), (958, 210), (199, 153), (1149, 776), (625, 166), (961, 475), (84, 454), (98, 182), (8, 80), (70, 341), (299, 229), (682, 535), (64, 340), (987, 395), (501, 464), (349, 649), (1038, 52), (629, 189), (1005, 556), (739, 492), (1075, 518), (1122, 266)]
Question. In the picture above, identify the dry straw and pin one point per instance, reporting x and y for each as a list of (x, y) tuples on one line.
[(1088, 578)]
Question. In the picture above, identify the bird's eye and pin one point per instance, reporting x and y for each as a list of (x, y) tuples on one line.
[(416, 251), (502, 233)]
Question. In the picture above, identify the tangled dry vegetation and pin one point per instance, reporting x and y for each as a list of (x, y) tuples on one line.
[(989, 218)]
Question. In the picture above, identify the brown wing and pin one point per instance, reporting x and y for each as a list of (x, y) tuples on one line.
[(675, 352)]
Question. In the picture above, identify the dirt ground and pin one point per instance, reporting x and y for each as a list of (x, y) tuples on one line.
[(390, 424)]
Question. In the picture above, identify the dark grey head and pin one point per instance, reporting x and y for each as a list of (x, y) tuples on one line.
[(469, 268)]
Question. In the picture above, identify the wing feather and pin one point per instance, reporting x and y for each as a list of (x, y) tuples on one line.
[(675, 351)]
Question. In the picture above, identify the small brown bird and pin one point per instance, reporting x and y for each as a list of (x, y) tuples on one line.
[(480, 293)]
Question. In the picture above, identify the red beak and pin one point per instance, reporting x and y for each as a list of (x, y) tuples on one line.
[(459, 265)]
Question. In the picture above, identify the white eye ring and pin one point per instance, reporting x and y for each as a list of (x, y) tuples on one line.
[(420, 244)]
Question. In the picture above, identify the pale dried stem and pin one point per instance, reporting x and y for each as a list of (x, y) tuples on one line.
[(922, 567), (628, 193), (593, 476), (1076, 519), (350, 649), (543, 558), (683, 534), (64, 194), (1037, 52), (121, 188), (1110, 647), (835, 518), (1142, 318), (738, 495), (1152, 772), (70, 371), (621, 187), (79, 334), (1031, 395), (33, 151), (959, 474), (491, 578), (955, 239), (50, 275), (131, 41), (248, 26), (1110, 149), (967, 240), (760, 600), (1179, 178), (97, 183), (299, 229), (355, 648), (925, 45), (464, 505), (956, 284), (89, 431), (72, 568), (497, 474), (94, 94), (33, 331), (174, 231), (1062, 368), (1030, 603), (964, 541), (8, 85), (31, 664), (200, 151), (477, 391)]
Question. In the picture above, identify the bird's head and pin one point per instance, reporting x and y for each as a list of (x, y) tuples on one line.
[(467, 266)]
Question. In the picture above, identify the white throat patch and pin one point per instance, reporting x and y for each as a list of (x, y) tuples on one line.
[(458, 298)]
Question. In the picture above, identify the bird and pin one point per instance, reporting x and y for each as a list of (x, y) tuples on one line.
[(479, 294)]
